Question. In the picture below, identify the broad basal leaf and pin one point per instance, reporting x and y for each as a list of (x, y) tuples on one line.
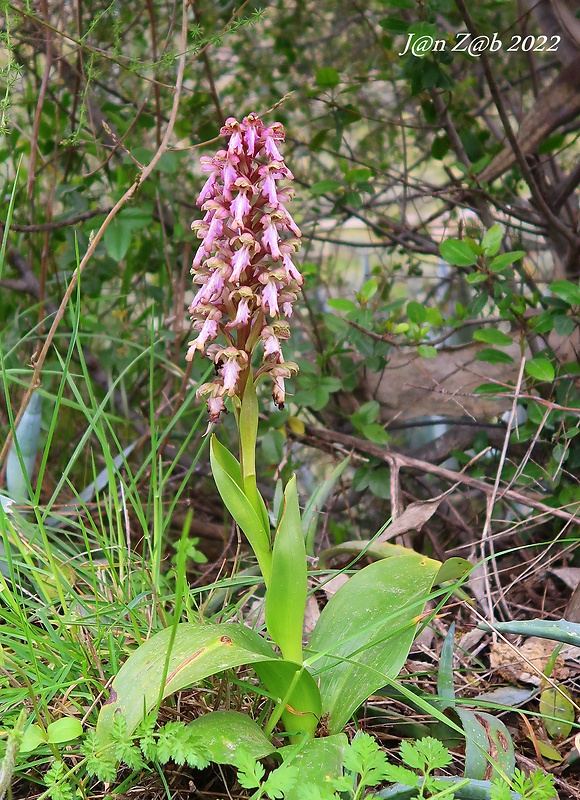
[(294, 687), (226, 733), (286, 595), (197, 652), (366, 630)]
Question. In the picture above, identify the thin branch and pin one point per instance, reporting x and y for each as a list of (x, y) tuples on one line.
[(336, 440)]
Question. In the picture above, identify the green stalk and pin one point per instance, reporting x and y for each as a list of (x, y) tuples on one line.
[(248, 436)]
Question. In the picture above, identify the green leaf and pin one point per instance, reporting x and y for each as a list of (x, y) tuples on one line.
[(317, 500), (365, 757), (197, 652), (416, 312), (557, 631), (427, 351), (296, 693), (358, 175), (226, 733), (327, 77), (318, 140), (425, 755), (476, 277), (26, 441), (33, 738), (487, 743), (286, 594), (493, 336), (457, 252), (325, 187), (504, 260), (117, 239), (366, 414), (394, 25), (440, 147), (375, 433), (136, 218), (567, 291), (227, 475), (330, 384), (342, 304), (364, 633), (541, 369), (491, 242), (64, 729), (556, 703), (563, 325), (492, 356), (369, 288), (551, 143), (317, 759), (453, 569), (445, 673)]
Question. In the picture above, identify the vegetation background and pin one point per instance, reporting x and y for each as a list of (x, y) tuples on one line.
[(446, 364)]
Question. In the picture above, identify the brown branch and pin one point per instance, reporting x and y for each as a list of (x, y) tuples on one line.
[(54, 226), (334, 440), (539, 201)]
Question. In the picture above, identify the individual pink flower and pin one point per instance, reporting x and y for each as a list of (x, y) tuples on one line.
[(270, 173), (243, 311), (271, 236), (233, 129), (253, 127), (240, 209), (215, 400), (270, 135), (270, 296), (231, 361), (208, 331)]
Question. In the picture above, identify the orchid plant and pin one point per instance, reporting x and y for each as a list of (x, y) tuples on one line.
[(247, 283)]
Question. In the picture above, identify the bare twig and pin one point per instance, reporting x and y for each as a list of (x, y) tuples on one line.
[(322, 437)]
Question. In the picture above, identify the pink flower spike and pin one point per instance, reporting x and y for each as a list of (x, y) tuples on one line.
[(243, 274)]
